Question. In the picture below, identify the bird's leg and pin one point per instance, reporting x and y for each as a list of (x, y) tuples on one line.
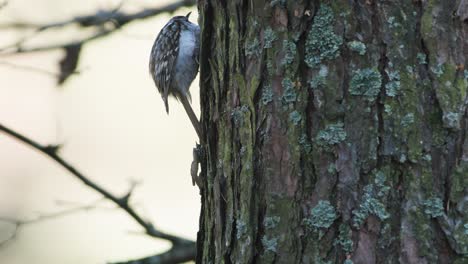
[(197, 151), (192, 116)]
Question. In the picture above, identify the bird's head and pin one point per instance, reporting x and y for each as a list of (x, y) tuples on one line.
[(182, 18)]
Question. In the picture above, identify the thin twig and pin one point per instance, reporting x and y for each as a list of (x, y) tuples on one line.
[(32, 69), (100, 20), (14, 232), (18, 49), (122, 202), (42, 217)]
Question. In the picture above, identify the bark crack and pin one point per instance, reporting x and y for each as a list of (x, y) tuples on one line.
[(383, 64)]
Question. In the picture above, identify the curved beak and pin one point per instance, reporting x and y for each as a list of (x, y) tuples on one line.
[(187, 16)]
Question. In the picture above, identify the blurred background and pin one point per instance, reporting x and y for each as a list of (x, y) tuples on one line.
[(114, 129)]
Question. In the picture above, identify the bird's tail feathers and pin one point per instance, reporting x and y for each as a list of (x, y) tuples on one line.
[(166, 104), (192, 116)]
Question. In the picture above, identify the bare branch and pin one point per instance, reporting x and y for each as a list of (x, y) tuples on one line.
[(122, 202), (177, 254), (105, 21), (18, 47)]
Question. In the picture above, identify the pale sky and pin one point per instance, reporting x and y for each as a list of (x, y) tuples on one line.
[(112, 123)]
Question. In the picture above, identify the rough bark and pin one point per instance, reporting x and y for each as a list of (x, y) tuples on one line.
[(335, 131)]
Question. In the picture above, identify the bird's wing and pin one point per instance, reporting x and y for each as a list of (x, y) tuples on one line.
[(163, 58)]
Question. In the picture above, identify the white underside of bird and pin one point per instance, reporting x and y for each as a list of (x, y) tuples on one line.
[(187, 46)]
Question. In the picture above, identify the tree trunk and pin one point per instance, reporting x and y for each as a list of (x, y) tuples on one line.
[(335, 131)]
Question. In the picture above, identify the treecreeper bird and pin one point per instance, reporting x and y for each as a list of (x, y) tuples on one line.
[(174, 63)]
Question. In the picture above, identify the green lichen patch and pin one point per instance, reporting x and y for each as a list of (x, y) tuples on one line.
[(238, 114), (427, 157), (451, 92), (409, 69), (368, 206), (455, 227), (323, 72), (267, 95), (388, 109), (407, 120), (271, 222), (241, 229), (304, 142), (322, 43), (422, 58), (332, 135), (321, 216), (451, 120), (331, 168), (289, 50), (392, 23), (317, 82), (270, 244), (371, 201), (433, 207), (421, 230), (289, 93), (320, 79), (385, 237), (295, 117), (344, 239), (379, 181), (392, 88), (367, 83), (402, 158), (269, 36), (357, 46), (438, 69), (252, 48), (270, 67)]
